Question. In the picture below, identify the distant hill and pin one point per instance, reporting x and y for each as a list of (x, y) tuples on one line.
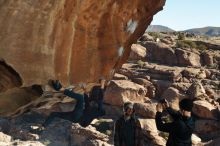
[(209, 31), (159, 28)]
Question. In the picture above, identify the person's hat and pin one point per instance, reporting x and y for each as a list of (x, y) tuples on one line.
[(127, 105), (186, 104)]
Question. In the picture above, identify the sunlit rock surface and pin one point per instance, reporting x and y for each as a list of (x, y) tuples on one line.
[(70, 40)]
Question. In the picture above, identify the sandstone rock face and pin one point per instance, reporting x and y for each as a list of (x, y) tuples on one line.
[(173, 96), (191, 73), (119, 77), (207, 58), (161, 86), (147, 85), (204, 109), (120, 91), (150, 131), (145, 110), (9, 78), (9, 100), (206, 126), (73, 41), (196, 90), (160, 53), (188, 58)]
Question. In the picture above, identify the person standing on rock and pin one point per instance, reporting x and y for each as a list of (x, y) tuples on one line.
[(127, 130), (73, 116), (181, 128)]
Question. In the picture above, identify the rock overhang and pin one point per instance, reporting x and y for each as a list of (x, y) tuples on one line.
[(73, 41)]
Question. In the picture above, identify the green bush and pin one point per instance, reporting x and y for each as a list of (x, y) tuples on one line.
[(191, 44), (140, 63), (155, 35), (202, 47), (186, 44), (181, 44)]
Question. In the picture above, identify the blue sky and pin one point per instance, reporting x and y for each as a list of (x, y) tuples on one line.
[(186, 14)]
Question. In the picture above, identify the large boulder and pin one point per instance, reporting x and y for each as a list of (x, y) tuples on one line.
[(191, 73), (161, 86), (207, 58), (187, 58), (196, 90), (145, 110), (146, 37), (161, 53), (138, 52), (120, 91), (181, 86), (150, 131), (129, 70), (12, 99), (205, 127), (204, 109), (173, 96), (162, 72), (73, 41), (147, 85)]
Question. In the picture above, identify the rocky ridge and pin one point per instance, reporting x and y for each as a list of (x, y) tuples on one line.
[(172, 71)]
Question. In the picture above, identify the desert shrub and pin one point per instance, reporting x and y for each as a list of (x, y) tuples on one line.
[(140, 63), (202, 47), (181, 36), (155, 35), (213, 66), (186, 44), (181, 44), (191, 44)]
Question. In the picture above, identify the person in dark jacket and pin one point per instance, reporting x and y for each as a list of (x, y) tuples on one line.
[(181, 128), (127, 130), (73, 116), (97, 95)]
